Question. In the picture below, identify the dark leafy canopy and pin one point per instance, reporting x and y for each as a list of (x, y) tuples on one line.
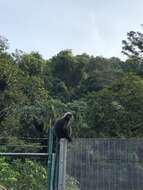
[(34, 89), (104, 95), (67, 68), (117, 111), (133, 46), (31, 63)]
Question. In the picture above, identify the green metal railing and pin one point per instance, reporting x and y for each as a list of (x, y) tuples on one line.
[(52, 161), (50, 153)]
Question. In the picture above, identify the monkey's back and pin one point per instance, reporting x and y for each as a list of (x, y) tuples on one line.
[(59, 128), (62, 130)]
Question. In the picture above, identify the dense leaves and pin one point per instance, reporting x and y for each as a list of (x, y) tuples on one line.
[(23, 175), (133, 46), (117, 110), (104, 95)]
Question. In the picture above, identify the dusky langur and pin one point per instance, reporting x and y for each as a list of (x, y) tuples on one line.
[(62, 127)]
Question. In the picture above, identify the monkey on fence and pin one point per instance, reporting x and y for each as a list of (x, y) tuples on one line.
[(62, 127)]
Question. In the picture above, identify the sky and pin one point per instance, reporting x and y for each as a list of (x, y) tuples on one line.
[(95, 27)]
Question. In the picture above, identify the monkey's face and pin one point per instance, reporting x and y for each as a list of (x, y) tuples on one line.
[(68, 117)]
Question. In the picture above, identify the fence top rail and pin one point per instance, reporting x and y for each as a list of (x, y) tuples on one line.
[(22, 154), (24, 138), (109, 138)]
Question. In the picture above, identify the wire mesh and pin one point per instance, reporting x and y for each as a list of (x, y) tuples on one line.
[(105, 164)]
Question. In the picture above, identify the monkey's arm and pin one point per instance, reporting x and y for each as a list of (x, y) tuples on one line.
[(67, 134)]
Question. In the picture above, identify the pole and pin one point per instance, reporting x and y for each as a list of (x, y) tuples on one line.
[(62, 164), (50, 146), (52, 171)]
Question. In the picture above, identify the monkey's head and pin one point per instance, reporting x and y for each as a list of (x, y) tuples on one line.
[(67, 116)]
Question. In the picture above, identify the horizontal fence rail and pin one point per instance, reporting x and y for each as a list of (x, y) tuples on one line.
[(27, 160), (22, 154)]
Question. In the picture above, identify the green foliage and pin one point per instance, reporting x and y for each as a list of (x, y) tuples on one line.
[(71, 184), (10, 89), (104, 95), (21, 175), (117, 110), (34, 91), (33, 88), (133, 46), (3, 44), (31, 63), (59, 90), (101, 72), (67, 68)]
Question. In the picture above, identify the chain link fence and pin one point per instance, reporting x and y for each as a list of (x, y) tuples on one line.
[(106, 164)]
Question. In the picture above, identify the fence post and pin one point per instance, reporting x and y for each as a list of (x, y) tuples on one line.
[(50, 147), (52, 171), (62, 164)]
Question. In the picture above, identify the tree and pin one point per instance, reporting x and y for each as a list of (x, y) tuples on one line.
[(10, 87), (67, 68), (3, 44), (59, 90), (133, 46), (31, 64), (116, 110), (100, 72)]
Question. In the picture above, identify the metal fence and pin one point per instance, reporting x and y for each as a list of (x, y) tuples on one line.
[(105, 164), (91, 164), (24, 163)]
